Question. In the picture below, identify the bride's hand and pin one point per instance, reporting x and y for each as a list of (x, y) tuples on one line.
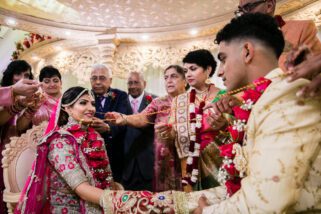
[(202, 202)]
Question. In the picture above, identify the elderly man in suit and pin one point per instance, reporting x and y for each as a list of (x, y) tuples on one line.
[(296, 32), (108, 99), (139, 154)]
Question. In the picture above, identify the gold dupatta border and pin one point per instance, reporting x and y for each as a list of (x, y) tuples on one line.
[(182, 125)]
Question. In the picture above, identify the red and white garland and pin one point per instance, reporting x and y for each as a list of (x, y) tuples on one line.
[(192, 170), (233, 167), (96, 156)]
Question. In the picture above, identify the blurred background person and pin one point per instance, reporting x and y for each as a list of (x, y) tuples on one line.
[(50, 78)]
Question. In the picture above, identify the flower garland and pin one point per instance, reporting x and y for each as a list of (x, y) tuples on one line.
[(233, 167), (96, 156), (192, 170), (27, 42)]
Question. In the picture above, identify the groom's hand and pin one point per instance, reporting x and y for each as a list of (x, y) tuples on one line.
[(224, 105), (202, 202)]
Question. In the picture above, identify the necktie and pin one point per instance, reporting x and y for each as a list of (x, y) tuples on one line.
[(100, 106), (135, 106)]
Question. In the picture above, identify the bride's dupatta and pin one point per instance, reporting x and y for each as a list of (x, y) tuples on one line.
[(34, 196)]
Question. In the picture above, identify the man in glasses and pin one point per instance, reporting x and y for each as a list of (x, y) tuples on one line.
[(296, 33), (108, 99)]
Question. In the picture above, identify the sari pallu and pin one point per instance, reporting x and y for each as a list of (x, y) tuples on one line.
[(47, 183), (209, 160), (35, 197)]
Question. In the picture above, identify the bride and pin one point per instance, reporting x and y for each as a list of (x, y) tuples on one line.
[(72, 168)]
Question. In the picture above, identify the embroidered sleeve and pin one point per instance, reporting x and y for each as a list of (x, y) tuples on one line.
[(62, 156), (143, 202)]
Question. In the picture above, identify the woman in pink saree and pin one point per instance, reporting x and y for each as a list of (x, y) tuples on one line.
[(50, 79), (71, 169), (15, 72)]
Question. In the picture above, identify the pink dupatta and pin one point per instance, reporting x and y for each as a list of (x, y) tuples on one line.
[(33, 196)]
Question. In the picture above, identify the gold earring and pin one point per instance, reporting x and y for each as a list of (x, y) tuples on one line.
[(208, 80)]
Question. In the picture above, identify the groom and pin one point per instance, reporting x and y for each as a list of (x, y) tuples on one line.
[(283, 133)]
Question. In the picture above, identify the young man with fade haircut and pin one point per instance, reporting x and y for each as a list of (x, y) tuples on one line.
[(280, 153)]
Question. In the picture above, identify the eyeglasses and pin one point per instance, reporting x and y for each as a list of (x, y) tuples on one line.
[(247, 7), (130, 83), (100, 78)]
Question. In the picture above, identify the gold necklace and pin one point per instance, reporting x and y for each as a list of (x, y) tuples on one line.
[(200, 94)]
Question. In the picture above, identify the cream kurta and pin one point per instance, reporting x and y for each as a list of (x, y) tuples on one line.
[(283, 139)]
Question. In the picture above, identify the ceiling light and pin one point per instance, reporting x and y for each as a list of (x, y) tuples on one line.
[(11, 21), (145, 37), (35, 58), (193, 32), (68, 33)]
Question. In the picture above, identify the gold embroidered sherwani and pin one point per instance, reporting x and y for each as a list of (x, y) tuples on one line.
[(282, 153)]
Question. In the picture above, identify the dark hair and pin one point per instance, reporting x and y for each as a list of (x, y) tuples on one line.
[(255, 26), (48, 72), (202, 58), (69, 96), (15, 67)]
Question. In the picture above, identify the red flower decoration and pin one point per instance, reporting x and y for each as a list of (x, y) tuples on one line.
[(92, 136), (226, 150), (235, 135), (149, 99), (97, 144), (233, 186), (112, 94), (240, 113), (261, 84), (231, 169), (251, 94), (95, 154)]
